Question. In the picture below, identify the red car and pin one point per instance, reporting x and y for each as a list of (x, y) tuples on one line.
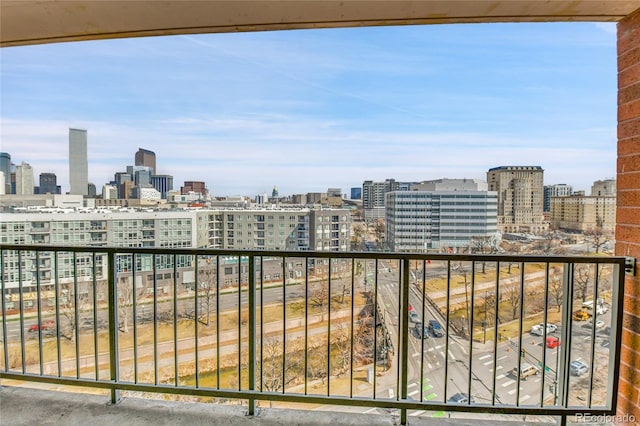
[(553, 342), (44, 325)]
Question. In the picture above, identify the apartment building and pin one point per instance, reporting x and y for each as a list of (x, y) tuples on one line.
[(583, 213), (373, 196), (520, 192), (419, 221), (279, 229), (557, 190)]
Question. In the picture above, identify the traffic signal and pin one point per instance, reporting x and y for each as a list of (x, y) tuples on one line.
[(522, 353)]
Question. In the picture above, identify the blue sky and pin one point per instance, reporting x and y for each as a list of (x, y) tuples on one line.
[(312, 109)]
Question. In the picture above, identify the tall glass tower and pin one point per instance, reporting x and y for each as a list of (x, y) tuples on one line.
[(78, 164)]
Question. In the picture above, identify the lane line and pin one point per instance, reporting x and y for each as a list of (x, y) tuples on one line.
[(488, 363), (505, 384), (503, 357), (451, 355), (524, 398), (370, 410), (484, 357), (417, 413), (415, 392), (501, 376)]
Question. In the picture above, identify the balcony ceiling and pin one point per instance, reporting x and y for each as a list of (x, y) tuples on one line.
[(24, 22)]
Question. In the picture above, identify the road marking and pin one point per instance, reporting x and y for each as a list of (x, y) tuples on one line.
[(438, 414), (524, 398), (451, 355), (439, 347), (415, 392), (438, 363), (499, 368), (501, 376), (431, 349), (503, 357), (442, 354), (488, 363), (427, 387), (412, 385), (370, 410), (484, 357), (505, 384), (430, 397), (430, 366), (463, 348), (416, 354), (417, 413), (538, 380), (391, 394), (511, 392)]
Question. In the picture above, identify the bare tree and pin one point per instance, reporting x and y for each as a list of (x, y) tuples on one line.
[(276, 369), (581, 281), (319, 294), (556, 288), (341, 341), (379, 231), (597, 236), (513, 296), (69, 302), (359, 232), (207, 293)]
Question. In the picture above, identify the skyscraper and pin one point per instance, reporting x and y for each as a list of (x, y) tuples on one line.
[(557, 190), (78, 164), (5, 167), (24, 179), (147, 158), (48, 184)]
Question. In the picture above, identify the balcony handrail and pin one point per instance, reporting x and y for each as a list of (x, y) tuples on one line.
[(408, 288)]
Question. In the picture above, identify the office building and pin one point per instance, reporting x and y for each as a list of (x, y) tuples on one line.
[(421, 221), (5, 167), (3, 187), (78, 163), (557, 190), (162, 183), (520, 197), (602, 188), (194, 186), (109, 192), (24, 179), (146, 158), (356, 193), (48, 184)]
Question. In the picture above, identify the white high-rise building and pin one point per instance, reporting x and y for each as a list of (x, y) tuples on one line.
[(419, 221), (78, 164), (24, 179)]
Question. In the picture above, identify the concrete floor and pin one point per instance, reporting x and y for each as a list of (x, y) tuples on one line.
[(31, 406)]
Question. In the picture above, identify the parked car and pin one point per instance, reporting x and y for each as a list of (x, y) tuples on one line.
[(581, 315), (598, 323), (461, 398), (578, 368), (538, 329), (435, 328), (43, 326), (553, 342), (413, 316), (421, 330), (526, 370)]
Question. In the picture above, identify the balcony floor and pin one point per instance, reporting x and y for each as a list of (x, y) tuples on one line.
[(29, 406)]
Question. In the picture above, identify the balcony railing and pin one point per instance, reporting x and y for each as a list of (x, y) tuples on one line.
[(424, 334)]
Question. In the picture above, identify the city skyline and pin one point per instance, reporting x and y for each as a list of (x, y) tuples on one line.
[(309, 110)]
